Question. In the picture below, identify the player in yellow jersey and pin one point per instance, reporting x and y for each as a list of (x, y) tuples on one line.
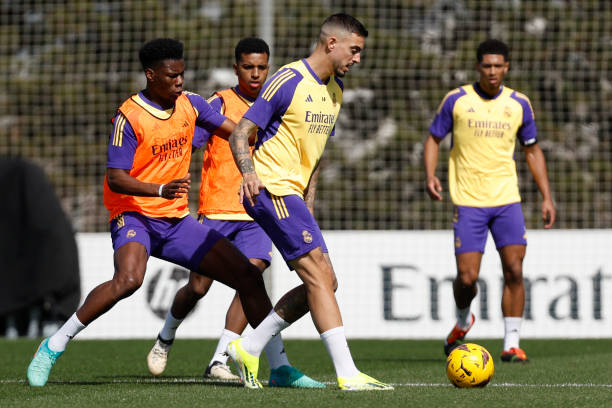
[(485, 119), (221, 210), (296, 112)]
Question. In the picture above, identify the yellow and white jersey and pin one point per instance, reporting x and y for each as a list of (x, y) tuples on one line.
[(296, 113), (482, 170)]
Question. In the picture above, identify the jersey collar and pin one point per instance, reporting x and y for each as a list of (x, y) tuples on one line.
[(485, 95), (313, 73), (246, 98), (151, 107)]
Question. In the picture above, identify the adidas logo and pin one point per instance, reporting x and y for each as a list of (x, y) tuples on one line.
[(309, 98), (471, 110), (186, 124)]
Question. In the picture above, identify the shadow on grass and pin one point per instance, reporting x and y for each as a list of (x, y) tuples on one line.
[(148, 380), (399, 360)]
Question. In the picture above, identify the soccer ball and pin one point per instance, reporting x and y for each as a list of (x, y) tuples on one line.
[(469, 365)]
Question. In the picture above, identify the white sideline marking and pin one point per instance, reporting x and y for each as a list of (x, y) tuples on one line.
[(197, 380)]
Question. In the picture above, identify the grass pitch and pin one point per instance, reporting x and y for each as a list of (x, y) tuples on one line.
[(114, 373)]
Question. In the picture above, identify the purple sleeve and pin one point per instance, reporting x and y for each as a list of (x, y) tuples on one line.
[(208, 118), (201, 134), (122, 145), (443, 121), (274, 98), (527, 133)]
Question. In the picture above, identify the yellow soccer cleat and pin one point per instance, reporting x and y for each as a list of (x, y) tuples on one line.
[(246, 364), (362, 382)]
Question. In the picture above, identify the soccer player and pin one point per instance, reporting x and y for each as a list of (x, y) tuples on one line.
[(145, 190), (221, 210), (485, 119), (296, 112)]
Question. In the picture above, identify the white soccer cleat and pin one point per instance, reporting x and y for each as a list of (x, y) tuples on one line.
[(158, 356), (219, 371)]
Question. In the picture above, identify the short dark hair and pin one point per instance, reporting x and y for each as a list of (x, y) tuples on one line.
[(346, 22), (492, 47), (155, 51), (251, 45)]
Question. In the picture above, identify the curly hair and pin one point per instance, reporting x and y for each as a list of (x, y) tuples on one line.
[(155, 51)]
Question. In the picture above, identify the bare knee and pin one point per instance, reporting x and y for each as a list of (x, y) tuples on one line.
[(126, 283), (335, 283), (322, 277), (198, 285), (513, 273), (467, 277)]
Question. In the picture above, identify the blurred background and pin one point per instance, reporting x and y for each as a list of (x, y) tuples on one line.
[(67, 65)]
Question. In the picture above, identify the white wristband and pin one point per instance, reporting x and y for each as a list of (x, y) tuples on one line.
[(159, 192)]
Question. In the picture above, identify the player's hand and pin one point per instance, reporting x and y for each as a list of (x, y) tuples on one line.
[(176, 188), (249, 189), (434, 188), (549, 213)]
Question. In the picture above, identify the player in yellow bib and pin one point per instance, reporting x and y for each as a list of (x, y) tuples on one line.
[(485, 119)]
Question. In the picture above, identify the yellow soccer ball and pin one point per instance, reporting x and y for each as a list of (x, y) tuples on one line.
[(469, 365)]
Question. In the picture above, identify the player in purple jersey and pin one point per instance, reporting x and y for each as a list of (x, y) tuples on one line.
[(295, 113), (172, 235), (485, 119)]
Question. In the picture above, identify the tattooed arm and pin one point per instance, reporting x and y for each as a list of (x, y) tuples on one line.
[(239, 143)]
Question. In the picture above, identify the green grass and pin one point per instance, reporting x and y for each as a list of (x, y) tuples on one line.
[(114, 373)]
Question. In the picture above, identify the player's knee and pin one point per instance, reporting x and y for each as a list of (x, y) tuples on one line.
[(198, 286), (126, 284), (467, 278), (324, 278), (513, 274)]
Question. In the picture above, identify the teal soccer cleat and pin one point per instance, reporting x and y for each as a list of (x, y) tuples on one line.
[(40, 367), (291, 377)]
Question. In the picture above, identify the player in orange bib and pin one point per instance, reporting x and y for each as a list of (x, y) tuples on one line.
[(220, 209), (145, 191)]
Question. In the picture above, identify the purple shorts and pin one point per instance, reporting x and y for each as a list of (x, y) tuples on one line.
[(472, 224), (183, 241), (248, 236), (288, 223)]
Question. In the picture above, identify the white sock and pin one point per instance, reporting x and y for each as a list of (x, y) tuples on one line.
[(220, 353), (71, 328), (512, 332), (337, 347), (170, 325), (275, 352), (255, 342), (464, 318)]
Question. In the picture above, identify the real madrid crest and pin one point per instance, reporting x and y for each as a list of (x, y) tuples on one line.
[(507, 112)]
